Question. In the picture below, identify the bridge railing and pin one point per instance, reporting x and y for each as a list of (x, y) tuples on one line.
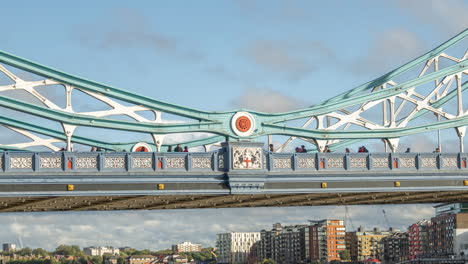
[(282, 162), (215, 162), (110, 161)]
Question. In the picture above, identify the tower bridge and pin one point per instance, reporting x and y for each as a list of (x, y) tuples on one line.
[(235, 169)]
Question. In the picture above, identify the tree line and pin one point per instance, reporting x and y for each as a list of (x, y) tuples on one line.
[(42, 256)]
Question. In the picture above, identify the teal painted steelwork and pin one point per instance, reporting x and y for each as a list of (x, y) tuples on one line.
[(219, 123), (91, 142)]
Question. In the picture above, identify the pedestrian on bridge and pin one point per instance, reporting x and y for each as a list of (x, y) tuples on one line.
[(178, 148)]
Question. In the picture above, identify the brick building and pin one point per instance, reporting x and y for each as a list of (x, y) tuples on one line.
[(327, 239), (419, 239), (448, 232)]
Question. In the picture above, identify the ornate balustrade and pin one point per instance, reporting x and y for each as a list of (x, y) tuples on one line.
[(311, 162), (110, 162), (215, 162)]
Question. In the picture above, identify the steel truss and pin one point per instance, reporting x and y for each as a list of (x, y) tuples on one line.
[(340, 121)]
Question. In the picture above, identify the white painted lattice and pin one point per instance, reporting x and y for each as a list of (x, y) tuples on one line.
[(449, 162), (380, 162), (175, 163), (306, 163), (142, 162), (358, 162), (407, 162), (86, 163), (51, 162), (114, 162), (201, 162), (21, 162), (282, 163), (335, 163), (429, 162)]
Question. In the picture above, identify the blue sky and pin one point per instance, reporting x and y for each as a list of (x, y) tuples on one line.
[(217, 50), (218, 55)]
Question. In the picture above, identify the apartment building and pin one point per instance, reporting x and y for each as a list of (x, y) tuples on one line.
[(186, 247), (99, 251), (284, 244), (141, 259), (7, 247), (327, 239), (396, 247), (448, 231), (363, 245), (419, 239), (235, 247)]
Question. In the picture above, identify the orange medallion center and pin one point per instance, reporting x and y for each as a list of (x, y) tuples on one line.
[(243, 124)]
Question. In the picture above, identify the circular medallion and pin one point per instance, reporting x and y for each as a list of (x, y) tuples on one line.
[(141, 147), (243, 124)]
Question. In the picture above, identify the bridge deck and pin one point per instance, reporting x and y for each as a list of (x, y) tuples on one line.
[(42, 181), (159, 202)]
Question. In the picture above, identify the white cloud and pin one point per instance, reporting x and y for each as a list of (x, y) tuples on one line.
[(161, 229), (267, 100), (294, 60), (449, 17), (389, 50), (129, 29)]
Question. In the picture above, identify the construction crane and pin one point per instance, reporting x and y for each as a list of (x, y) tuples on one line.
[(214, 255), (20, 241), (386, 219), (348, 218)]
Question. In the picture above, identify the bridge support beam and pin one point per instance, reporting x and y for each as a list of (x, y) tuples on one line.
[(392, 143), (461, 134)]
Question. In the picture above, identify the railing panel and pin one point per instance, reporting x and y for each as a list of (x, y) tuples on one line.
[(332, 161), (405, 161), (357, 162), (450, 161), (114, 161), (175, 161), (379, 162), (429, 161), (82, 161), (306, 162), (202, 161), (282, 161), (20, 161), (50, 161), (141, 161)]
